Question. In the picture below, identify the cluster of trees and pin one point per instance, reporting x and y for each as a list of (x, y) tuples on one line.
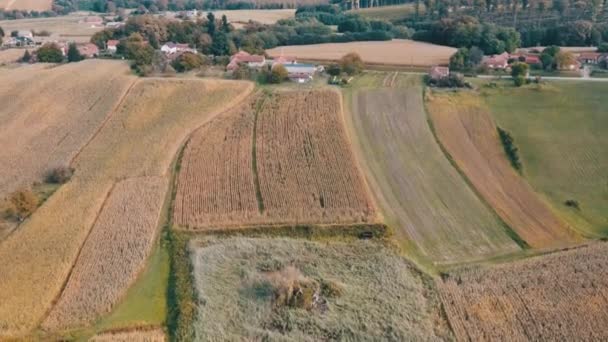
[(350, 64), (575, 33), (466, 31), (51, 53), (17, 14)]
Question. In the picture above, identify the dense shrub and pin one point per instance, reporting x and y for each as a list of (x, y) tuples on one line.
[(187, 61), (351, 63), (59, 175), (21, 204), (49, 53), (510, 149)]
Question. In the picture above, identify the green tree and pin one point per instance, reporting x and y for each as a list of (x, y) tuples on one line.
[(602, 47), (220, 45), (519, 72), (73, 54), (1, 35), (211, 23), (27, 57), (460, 60), (333, 70), (187, 61), (278, 74), (351, 63), (225, 24), (49, 53)]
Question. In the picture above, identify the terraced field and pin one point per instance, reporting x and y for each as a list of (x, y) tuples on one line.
[(561, 135), (558, 297), (421, 194), (140, 139), (465, 128)]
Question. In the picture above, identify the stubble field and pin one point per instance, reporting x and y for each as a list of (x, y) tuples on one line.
[(10, 56), (261, 16), (139, 140), (68, 27), (26, 5), (469, 134), (282, 159), (357, 291), (557, 297), (421, 194), (398, 52)]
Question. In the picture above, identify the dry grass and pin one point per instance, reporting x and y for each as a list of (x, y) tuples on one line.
[(558, 297), (153, 335), (395, 52), (422, 195), (140, 139), (469, 134), (289, 289), (26, 5), (10, 55), (113, 254), (67, 27), (303, 171), (48, 114)]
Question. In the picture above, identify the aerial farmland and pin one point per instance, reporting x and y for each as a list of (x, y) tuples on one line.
[(299, 171)]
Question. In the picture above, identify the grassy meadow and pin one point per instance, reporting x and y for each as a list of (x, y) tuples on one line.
[(560, 131)]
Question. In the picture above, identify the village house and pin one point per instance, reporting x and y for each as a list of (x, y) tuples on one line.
[(115, 24), (284, 60), (529, 59), (88, 50), (112, 46), (496, 61), (589, 57), (25, 34), (242, 57), (171, 48), (439, 72)]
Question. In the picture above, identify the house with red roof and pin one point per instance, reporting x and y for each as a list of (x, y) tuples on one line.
[(88, 50), (243, 57), (589, 57), (438, 72), (496, 61)]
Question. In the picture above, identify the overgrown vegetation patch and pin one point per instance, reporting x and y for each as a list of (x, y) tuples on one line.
[(510, 150), (280, 288)]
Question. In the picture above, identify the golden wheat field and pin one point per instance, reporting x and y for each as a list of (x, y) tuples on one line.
[(140, 139), (152, 335), (394, 52), (558, 297), (26, 5), (287, 160), (469, 134), (49, 113), (261, 16), (114, 253)]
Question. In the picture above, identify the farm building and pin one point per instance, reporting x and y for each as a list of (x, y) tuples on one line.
[(589, 57), (496, 61), (439, 72), (530, 59), (284, 60), (173, 48), (88, 50), (241, 57), (25, 34), (114, 24), (112, 45), (301, 73)]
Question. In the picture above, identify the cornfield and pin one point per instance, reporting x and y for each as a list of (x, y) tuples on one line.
[(139, 139), (558, 297), (284, 158), (113, 254)]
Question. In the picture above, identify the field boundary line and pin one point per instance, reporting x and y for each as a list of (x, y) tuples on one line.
[(69, 275), (105, 121), (254, 161)]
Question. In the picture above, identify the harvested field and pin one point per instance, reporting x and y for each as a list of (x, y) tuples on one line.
[(557, 297), (303, 171), (45, 119), (469, 134), (561, 134), (422, 196), (395, 52), (391, 13), (26, 5), (114, 253), (153, 335), (67, 27), (364, 292), (261, 16), (10, 56), (139, 140)]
